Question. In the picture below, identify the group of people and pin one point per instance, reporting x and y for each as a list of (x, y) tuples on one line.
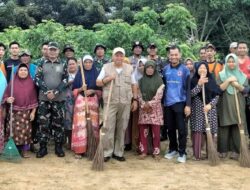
[(134, 102)]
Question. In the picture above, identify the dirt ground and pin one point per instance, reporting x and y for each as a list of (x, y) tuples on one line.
[(69, 173)]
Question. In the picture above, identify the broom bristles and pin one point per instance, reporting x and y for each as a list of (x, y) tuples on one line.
[(98, 161), (10, 152), (91, 141), (244, 158), (212, 152)]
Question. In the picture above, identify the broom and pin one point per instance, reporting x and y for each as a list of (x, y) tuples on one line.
[(98, 162), (91, 140), (244, 158), (10, 152), (211, 150)]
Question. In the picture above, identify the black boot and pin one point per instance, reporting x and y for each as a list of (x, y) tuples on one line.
[(42, 151), (59, 150)]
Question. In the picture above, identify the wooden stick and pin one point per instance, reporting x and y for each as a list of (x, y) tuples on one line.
[(11, 105), (84, 84), (244, 158)]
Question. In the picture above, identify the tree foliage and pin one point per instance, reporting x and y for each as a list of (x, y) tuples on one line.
[(116, 33), (219, 22)]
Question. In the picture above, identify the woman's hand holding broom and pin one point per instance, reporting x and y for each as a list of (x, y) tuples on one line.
[(202, 80), (10, 100), (237, 86), (207, 108)]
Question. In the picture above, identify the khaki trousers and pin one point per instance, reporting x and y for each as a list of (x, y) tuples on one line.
[(117, 122)]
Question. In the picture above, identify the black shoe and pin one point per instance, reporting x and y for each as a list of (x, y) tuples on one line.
[(42, 151), (106, 159), (128, 147), (59, 150), (119, 158)]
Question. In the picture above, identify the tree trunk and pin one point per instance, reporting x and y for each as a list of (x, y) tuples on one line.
[(204, 26)]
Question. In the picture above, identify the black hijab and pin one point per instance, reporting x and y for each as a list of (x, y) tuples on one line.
[(211, 88)]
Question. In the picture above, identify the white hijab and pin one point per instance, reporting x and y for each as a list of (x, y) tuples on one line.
[(137, 73)]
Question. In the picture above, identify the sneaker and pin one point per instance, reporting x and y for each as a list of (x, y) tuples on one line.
[(182, 158), (171, 154)]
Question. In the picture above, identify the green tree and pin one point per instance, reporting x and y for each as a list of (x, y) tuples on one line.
[(149, 17), (73, 12), (178, 22), (94, 14)]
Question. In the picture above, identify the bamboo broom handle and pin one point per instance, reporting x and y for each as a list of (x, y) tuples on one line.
[(237, 105), (11, 105), (84, 83), (109, 98), (204, 102)]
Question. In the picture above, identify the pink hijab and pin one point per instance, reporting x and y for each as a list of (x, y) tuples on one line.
[(24, 92)]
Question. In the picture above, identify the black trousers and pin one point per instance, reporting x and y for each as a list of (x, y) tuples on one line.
[(248, 119), (175, 120)]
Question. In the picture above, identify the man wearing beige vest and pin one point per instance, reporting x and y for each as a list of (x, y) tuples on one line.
[(124, 89)]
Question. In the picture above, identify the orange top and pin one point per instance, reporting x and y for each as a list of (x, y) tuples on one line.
[(215, 70), (2, 68)]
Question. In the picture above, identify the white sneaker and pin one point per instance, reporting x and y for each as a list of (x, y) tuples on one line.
[(170, 154), (182, 159)]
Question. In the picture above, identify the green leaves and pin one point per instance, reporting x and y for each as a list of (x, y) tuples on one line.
[(148, 16), (178, 22), (115, 33)]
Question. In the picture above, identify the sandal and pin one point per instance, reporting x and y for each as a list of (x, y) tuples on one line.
[(142, 156), (25, 154), (196, 159), (78, 156), (157, 157)]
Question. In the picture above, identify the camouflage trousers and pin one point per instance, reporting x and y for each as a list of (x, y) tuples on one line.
[(50, 117)]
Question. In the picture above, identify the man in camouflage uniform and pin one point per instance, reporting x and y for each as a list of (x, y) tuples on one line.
[(100, 59), (44, 52), (51, 79), (152, 55), (68, 51), (137, 49)]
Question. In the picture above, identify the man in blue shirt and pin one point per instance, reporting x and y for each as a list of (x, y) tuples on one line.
[(177, 103)]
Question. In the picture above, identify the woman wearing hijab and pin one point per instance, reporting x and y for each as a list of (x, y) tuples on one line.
[(3, 85), (79, 128), (132, 131), (69, 103), (212, 92), (190, 65), (139, 69), (228, 135), (24, 102), (150, 109)]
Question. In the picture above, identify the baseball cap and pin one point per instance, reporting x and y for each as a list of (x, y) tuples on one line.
[(53, 45), (119, 49)]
